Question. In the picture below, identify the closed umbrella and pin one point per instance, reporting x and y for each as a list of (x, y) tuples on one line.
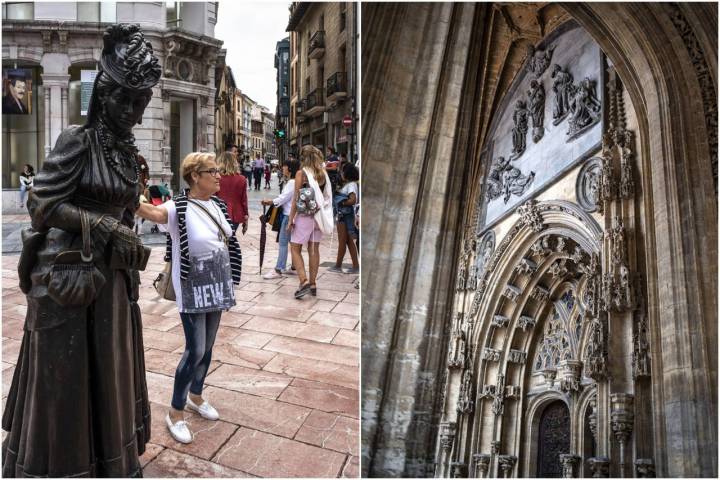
[(263, 235)]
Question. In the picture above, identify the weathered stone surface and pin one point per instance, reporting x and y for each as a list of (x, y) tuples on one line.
[(347, 308), (248, 338), (351, 468), (283, 313), (333, 373), (172, 464), (247, 380), (315, 350), (323, 396), (334, 432), (276, 417), (151, 451), (334, 320), (347, 338), (319, 333), (165, 341), (266, 455)]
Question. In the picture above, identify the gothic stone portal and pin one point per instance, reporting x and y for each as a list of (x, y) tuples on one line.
[(553, 439)]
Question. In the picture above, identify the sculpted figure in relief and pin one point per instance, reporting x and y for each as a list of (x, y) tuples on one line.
[(562, 86), (536, 96), (506, 180), (519, 131), (539, 60), (584, 107)]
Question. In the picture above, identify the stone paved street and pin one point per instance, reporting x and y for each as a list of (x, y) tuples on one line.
[(284, 375)]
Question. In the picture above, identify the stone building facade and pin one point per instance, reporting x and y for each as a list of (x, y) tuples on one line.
[(322, 73), (269, 148), (56, 41), (227, 104), (553, 236), (282, 112)]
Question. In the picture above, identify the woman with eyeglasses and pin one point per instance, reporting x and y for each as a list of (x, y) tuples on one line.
[(206, 263)]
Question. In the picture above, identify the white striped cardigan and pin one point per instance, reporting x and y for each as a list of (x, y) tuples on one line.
[(233, 247)]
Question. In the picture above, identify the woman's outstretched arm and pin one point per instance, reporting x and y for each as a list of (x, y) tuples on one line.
[(157, 214)]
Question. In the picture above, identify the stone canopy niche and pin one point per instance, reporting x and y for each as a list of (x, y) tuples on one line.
[(548, 122)]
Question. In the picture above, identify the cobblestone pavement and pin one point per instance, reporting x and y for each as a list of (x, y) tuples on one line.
[(284, 374)]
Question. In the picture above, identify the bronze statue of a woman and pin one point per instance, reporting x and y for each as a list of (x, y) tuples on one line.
[(78, 403)]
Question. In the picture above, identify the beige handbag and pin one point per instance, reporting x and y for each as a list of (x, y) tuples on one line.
[(163, 283)]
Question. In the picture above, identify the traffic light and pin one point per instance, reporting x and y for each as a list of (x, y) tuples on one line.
[(280, 133)]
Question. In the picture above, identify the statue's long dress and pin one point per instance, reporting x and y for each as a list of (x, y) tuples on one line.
[(78, 403)]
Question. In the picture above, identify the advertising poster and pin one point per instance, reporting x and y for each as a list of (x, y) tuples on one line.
[(17, 91), (87, 80)]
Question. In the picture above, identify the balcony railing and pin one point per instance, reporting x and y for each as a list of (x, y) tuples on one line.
[(317, 44), (336, 86), (315, 102)]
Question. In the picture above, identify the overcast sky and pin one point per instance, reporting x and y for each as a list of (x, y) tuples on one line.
[(250, 31)]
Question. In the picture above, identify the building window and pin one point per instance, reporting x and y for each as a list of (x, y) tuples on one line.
[(96, 12), (18, 11), (173, 18)]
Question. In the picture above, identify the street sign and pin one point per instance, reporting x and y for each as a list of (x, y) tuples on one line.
[(347, 121)]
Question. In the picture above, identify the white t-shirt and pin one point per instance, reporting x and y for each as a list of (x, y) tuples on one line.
[(286, 197), (351, 187), (209, 285)]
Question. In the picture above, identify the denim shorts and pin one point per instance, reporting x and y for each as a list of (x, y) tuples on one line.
[(349, 220)]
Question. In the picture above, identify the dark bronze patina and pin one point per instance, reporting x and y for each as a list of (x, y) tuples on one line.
[(78, 404)]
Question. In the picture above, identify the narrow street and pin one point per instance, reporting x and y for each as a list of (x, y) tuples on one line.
[(284, 374)]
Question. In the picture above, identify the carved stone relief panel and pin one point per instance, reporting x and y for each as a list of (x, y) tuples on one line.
[(587, 187), (562, 82), (486, 247)]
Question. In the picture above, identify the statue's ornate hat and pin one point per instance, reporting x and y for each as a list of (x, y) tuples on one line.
[(128, 58)]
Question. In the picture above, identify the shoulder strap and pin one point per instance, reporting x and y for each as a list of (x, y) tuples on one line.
[(212, 217)]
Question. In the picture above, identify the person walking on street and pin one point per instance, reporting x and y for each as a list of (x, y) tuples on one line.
[(258, 169), (248, 171), (268, 175), (205, 255), (310, 216), (345, 200), (26, 183), (233, 191), (284, 200)]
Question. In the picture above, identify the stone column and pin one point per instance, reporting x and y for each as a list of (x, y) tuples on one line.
[(507, 463), (48, 139), (482, 463), (494, 452), (447, 437), (644, 468), (65, 115), (621, 422), (569, 462), (400, 343), (600, 467)]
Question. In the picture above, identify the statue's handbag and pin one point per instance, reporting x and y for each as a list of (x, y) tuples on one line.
[(163, 283), (73, 279)]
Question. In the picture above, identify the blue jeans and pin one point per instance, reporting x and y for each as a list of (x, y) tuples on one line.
[(283, 248), (200, 330)]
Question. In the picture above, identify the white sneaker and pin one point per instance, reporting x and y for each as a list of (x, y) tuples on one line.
[(179, 431), (205, 410), (289, 271), (272, 274)]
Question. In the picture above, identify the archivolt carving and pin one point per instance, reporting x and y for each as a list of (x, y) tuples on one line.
[(707, 84)]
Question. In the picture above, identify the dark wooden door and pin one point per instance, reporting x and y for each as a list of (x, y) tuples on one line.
[(553, 439)]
